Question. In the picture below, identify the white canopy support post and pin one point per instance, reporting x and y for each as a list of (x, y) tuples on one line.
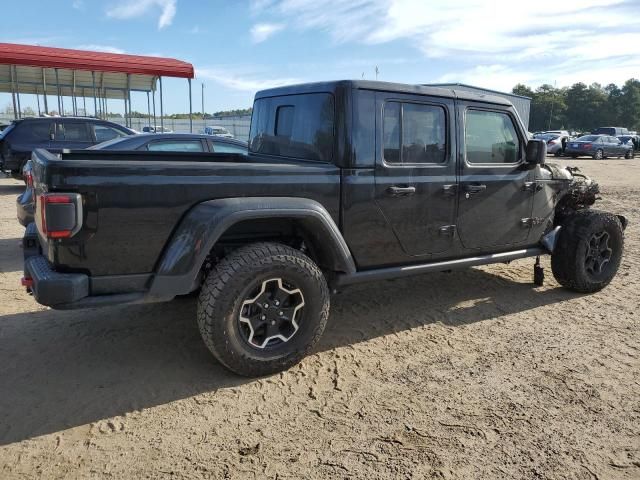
[(15, 73), (153, 99), (13, 94), (161, 108), (190, 109), (84, 102), (58, 92), (95, 100), (128, 99), (44, 92), (148, 109), (38, 101), (73, 94)]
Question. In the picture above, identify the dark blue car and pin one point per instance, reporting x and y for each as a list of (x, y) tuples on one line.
[(598, 147)]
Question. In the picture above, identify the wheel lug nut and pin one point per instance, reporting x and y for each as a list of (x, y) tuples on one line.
[(273, 322), (263, 317), (266, 305), (280, 313), (277, 303)]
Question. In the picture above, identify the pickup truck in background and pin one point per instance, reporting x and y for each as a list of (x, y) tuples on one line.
[(345, 182)]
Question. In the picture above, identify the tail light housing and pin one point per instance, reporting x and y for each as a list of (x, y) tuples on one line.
[(551, 142), (59, 215), (587, 146), (28, 179)]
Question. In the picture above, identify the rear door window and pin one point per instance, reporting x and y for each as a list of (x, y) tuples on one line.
[(228, 148), (175, 146), (298, 126), (414, 133)]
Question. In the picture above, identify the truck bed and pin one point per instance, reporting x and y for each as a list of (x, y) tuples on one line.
[(133, 201)]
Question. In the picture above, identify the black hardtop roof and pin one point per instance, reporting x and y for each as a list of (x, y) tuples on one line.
[(331, 86)]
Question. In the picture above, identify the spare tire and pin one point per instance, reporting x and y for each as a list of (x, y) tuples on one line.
[(589, 251)]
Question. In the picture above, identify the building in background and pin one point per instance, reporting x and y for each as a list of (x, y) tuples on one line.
[(522, 104)]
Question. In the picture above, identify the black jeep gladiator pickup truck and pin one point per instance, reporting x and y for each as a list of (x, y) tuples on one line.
[(345, 182)]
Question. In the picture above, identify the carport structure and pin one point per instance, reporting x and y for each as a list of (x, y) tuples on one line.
[(82, 75)]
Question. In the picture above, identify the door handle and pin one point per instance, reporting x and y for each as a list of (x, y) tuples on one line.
[(396, 191), (473, 189)]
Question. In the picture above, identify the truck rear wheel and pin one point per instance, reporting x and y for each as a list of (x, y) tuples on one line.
[(588, 252), (262, 308)]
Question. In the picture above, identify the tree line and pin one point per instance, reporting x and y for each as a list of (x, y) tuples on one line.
[(583, 108)]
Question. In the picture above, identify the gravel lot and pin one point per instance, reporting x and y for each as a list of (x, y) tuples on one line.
[(471, 374)]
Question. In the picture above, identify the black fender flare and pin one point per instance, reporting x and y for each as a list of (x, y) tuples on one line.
[(197, 233)]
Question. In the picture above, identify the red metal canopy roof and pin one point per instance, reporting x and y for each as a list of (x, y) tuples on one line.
[(49, 57)]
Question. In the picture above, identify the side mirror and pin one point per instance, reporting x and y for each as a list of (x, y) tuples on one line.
[(536, 151)]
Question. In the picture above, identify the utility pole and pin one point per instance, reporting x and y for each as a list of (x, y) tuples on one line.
[(202, 100), (553, 98)]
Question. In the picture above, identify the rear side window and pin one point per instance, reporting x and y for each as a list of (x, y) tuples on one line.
[(490, 138), (35, 131), (299, 126), (414, 133), (176, 146)]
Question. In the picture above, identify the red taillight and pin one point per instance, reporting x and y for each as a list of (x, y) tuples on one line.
[(28, 179), (65, 221), (587, 146), (551, 142)]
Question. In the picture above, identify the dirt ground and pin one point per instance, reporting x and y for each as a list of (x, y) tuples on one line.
[(471, 374)]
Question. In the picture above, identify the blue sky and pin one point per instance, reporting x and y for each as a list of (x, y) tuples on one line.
[(238, 47)]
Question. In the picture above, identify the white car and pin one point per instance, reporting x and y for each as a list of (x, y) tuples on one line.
[(217, 131), (156, 129)]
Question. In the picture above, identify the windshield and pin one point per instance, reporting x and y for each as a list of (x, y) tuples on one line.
[(589, 138)]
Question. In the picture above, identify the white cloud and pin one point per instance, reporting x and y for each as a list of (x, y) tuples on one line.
[(100, 48), (245, 82), (78, 4), (127, 9), (495, 42), (261, 31)]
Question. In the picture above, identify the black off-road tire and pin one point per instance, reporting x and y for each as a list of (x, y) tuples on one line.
[(234, 280), (571, 261)]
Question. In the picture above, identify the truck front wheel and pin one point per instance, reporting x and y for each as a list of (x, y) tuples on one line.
[(262, 308), (588, 252)]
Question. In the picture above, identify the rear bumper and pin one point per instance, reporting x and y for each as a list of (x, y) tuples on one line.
[(65, 291)]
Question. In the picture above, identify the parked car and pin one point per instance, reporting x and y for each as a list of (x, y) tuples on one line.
[(633, 139), (555, 142), (425, 180), (160, 142), (19, 139), (217, 131), (156, 129), (598, 147)]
